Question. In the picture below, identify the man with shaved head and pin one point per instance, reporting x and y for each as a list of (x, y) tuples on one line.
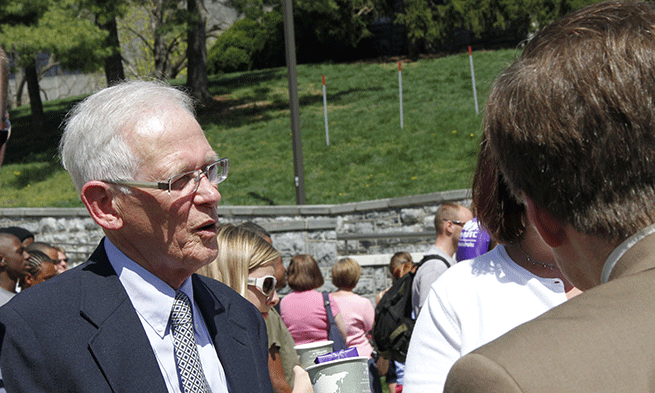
[(13, 265), (448, 223)]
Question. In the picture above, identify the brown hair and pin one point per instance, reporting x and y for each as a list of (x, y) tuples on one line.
[(572, 121), (304, 274), (346, 273), (398, 259), (497, 210)]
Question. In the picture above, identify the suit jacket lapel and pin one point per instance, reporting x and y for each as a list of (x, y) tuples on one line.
[(231, 338), (120, 346)]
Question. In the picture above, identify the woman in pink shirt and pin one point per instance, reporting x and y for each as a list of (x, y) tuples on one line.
[(358, 312), (303, 310)]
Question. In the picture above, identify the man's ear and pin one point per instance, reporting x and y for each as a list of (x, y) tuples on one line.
[(100, 201), (550, 228)]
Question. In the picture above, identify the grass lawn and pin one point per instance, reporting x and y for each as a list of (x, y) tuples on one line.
[(369, 156)]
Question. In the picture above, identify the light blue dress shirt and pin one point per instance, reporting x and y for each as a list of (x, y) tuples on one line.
[(153, 300)]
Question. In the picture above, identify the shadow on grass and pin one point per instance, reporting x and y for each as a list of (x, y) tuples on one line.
[(225, 84), (25, 145), (255, 108), (35, 175)]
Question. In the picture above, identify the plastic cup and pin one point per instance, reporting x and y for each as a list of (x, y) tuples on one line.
[(348, 375), (307, 353)]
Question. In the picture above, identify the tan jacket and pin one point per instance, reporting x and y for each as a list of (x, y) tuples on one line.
[(600, 341)]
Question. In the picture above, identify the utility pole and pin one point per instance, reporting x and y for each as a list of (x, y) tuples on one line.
[(292, 75)]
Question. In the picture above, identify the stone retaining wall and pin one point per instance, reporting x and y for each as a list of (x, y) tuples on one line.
[(369, 231)]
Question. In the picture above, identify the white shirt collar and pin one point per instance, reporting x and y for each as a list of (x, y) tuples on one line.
[(151, 297), (618, 252)]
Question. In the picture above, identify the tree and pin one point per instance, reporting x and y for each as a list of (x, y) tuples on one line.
[(433, 24), (158, 47), (55, 27), (197, 50), (106, 12), (324, 28)]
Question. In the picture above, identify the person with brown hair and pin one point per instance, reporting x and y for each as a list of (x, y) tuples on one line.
[(572, 125), (480, 299), (303, 310), (357, 311), (400, 264)]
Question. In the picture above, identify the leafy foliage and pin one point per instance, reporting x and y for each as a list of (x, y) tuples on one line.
[(55, 27), (248, 45), (435, 25)]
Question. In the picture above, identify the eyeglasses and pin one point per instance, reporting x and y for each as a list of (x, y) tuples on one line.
[(454, 222), (266, 284), (185, 183)]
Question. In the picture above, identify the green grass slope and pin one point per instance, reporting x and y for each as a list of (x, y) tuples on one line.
[(369, 156)]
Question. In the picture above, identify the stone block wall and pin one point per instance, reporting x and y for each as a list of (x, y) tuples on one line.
[(369, 231)]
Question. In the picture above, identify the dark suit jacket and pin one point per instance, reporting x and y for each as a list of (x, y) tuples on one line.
[(600, 341), (79, 332)]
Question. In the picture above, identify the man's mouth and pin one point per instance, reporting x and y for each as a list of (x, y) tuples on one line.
[(208, 227)]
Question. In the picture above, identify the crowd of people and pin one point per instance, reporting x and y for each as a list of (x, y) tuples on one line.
[(543, 285), (25, 263)]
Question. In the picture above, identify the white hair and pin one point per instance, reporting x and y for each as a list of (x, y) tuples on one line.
[(93, 145)]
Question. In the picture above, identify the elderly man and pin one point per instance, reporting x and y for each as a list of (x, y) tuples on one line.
[(573, 125), (134, 317)]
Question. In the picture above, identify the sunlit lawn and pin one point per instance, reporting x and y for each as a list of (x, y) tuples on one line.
[(369, 156)]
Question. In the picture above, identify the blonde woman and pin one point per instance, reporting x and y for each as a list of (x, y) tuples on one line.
[(246, 263)]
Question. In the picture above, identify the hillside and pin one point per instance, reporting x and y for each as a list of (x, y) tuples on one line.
[(369, 156)]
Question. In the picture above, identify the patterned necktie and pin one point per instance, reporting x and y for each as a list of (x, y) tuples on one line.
[(186, 351)]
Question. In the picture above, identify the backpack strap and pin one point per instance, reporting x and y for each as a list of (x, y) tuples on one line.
[(433, 256)]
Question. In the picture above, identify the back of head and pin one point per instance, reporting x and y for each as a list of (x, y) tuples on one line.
[(572, 122), (398, 259), (304, 274), (239, 251), (93, 145), (346, 273)]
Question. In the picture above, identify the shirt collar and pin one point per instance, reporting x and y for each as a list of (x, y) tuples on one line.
[(618, 252), (151, 297)]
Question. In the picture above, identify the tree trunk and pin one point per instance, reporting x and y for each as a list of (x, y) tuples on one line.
[(38, 118), (197, 50), (160, 51), (114, 63)]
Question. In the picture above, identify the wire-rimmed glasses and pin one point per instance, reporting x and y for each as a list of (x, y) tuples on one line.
[(185, 183)]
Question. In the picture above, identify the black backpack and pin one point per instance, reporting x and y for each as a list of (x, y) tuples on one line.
[(393, 324)]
